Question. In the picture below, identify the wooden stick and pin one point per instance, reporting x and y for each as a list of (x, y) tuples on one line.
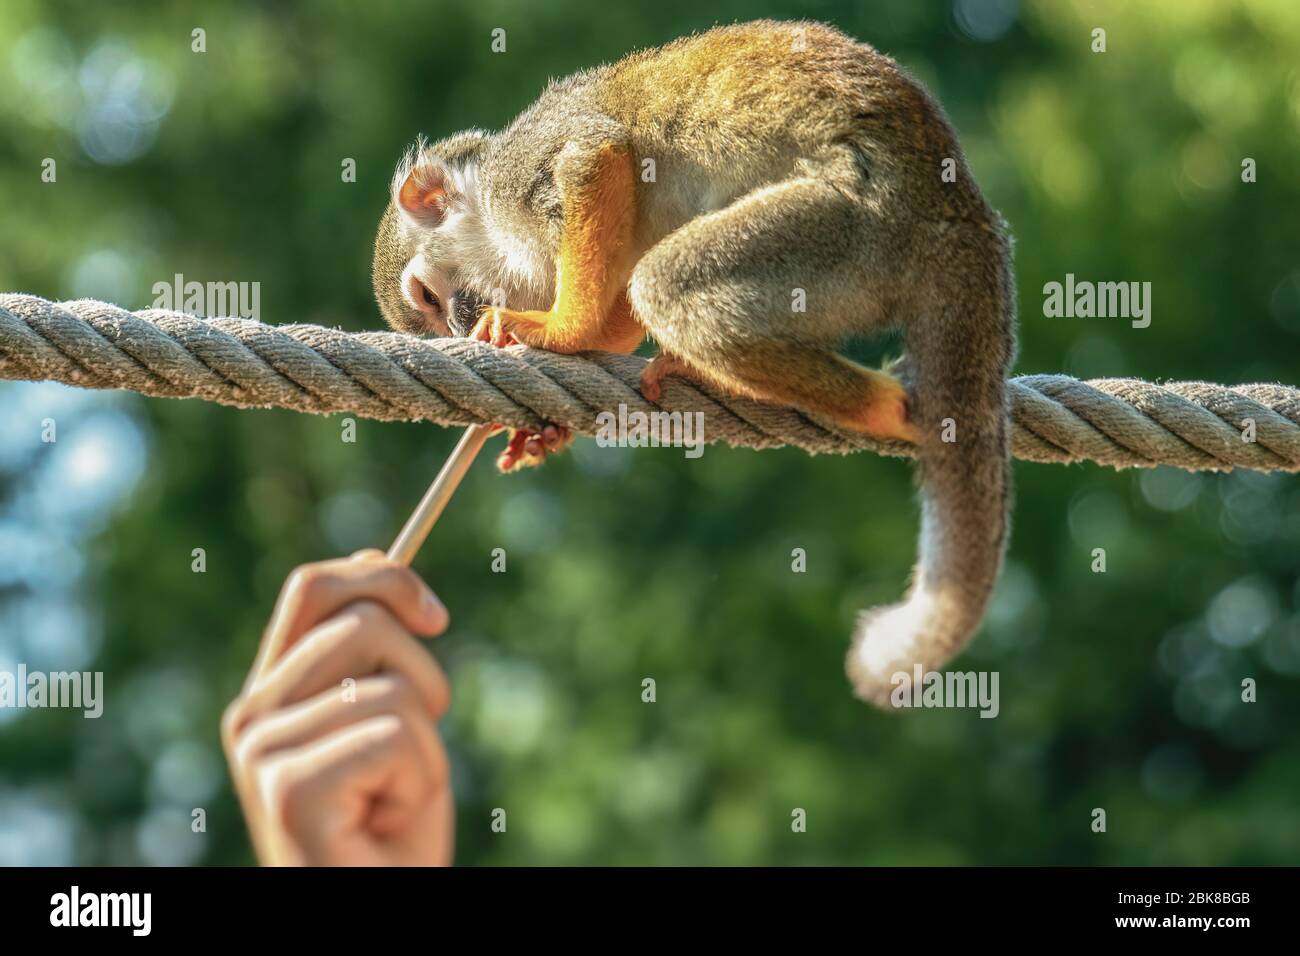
[(421, 522)]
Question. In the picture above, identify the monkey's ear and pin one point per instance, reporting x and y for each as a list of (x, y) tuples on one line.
[(423, 190)]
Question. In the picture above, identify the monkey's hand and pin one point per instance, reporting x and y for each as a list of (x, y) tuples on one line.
[(502, 327), (528, 449), (525, 448)]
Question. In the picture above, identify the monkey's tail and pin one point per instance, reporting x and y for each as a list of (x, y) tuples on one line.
[(959, 349)]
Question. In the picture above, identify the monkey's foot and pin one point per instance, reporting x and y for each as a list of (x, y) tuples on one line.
[(502, 327), (660, 367), (886, 415), (528, 449)]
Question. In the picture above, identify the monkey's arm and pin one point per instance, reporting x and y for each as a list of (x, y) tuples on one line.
[(591, 310)]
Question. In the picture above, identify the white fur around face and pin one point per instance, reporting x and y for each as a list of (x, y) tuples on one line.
[(438, 282), (467, 249)]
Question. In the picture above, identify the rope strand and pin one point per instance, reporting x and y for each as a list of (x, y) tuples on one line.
[(1120, 422)]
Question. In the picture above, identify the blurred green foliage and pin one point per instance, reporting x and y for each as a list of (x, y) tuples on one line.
[(1118, 690)]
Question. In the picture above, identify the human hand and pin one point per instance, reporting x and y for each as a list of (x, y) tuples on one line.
[(331, 742)]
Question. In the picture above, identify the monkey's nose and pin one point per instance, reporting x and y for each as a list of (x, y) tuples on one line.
[(464, 312)]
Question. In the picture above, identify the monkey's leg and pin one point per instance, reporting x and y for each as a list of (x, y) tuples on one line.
[(719, 293), (855, 397), (824, 383), (590, 309)]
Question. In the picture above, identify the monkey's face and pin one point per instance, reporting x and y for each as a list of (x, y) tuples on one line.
[(422, 238), (414, 294)]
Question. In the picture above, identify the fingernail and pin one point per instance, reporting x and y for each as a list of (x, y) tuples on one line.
[(434, 607)]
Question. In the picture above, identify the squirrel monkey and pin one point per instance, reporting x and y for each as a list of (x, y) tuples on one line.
[(688, 192)]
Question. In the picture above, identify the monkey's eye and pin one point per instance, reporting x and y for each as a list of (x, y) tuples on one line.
[(431, 308), (424, 298)]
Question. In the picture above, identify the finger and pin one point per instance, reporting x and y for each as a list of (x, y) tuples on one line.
[(334, 785), (362, 640), (315, 591), (509, 459), (298, 724), (247, 747)]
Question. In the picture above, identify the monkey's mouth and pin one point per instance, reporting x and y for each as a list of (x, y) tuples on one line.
[(464, 311)]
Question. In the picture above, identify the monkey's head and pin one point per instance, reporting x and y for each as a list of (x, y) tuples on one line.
[(431, 226)]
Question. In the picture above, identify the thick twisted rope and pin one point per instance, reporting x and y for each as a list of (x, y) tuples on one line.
[(1120, 422)]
